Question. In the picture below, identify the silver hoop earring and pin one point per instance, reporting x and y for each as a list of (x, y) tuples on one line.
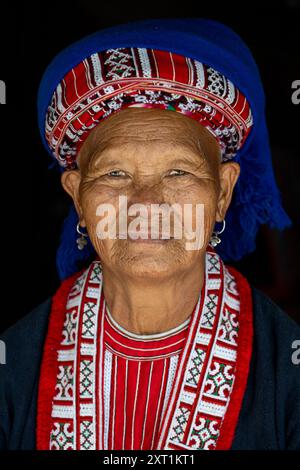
[(82, 240), (215, 239)]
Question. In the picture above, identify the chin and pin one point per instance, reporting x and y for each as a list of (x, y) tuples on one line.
[(151, 266), (148, 271)]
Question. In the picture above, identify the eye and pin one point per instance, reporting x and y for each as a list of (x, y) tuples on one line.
[(176, 172), (116, 173)]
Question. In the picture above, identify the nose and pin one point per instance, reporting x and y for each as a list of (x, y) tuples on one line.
[(147, 195)]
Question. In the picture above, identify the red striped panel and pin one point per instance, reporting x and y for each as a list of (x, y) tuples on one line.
[(182, 72), (69, 90), (129, 402), (142, 409), (120, 402), (164, 64), (136, 402), (81, 79)]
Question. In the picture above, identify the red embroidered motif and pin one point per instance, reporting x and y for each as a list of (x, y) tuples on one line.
[(200, 372), (115, 79)]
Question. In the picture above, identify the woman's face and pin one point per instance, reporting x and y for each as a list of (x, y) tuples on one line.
[(146, 157)]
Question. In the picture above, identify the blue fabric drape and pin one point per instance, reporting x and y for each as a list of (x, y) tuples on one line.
[(256, 198)]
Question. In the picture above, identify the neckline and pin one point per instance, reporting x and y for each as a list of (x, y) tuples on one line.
[(143, 347), (155, 336)]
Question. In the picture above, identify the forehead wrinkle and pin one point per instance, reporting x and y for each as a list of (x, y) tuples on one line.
[(134, 126), (186, 152), (100, 142)]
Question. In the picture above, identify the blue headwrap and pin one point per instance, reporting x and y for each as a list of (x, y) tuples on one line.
[(256, 199)]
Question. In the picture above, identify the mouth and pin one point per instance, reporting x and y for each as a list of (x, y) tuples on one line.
[(150, 241), (145, 237)]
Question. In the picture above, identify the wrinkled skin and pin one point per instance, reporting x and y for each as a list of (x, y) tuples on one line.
[(150, 156)]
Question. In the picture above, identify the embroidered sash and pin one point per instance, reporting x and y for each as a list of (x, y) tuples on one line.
[(211, 374)]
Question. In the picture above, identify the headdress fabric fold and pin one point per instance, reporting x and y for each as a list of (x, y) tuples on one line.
[(195, 66)]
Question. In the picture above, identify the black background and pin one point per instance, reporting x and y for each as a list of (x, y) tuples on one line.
[(33, 204)]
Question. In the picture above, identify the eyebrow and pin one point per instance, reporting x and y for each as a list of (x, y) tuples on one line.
[(186, 153), (97, 155)]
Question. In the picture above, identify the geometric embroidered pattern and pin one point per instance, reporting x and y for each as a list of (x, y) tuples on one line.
[(73, 419), (205, 382), (86, 435), (61, 436), (204, 435), (181, 420), (209, 311), (89, 317), (86, 378), (64, 386), (114, 79), (201, 389), (194, 372)]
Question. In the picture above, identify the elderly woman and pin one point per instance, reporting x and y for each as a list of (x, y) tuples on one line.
[(152, 342)]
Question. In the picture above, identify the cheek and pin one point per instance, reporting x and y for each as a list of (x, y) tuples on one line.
[(92, 198), (193, 194), (92, 218), (91, 201)]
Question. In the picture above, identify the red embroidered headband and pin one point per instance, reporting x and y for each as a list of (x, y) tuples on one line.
[(115, 79)]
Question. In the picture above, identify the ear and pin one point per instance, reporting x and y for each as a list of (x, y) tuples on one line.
[(228, 174), (70, 181)]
